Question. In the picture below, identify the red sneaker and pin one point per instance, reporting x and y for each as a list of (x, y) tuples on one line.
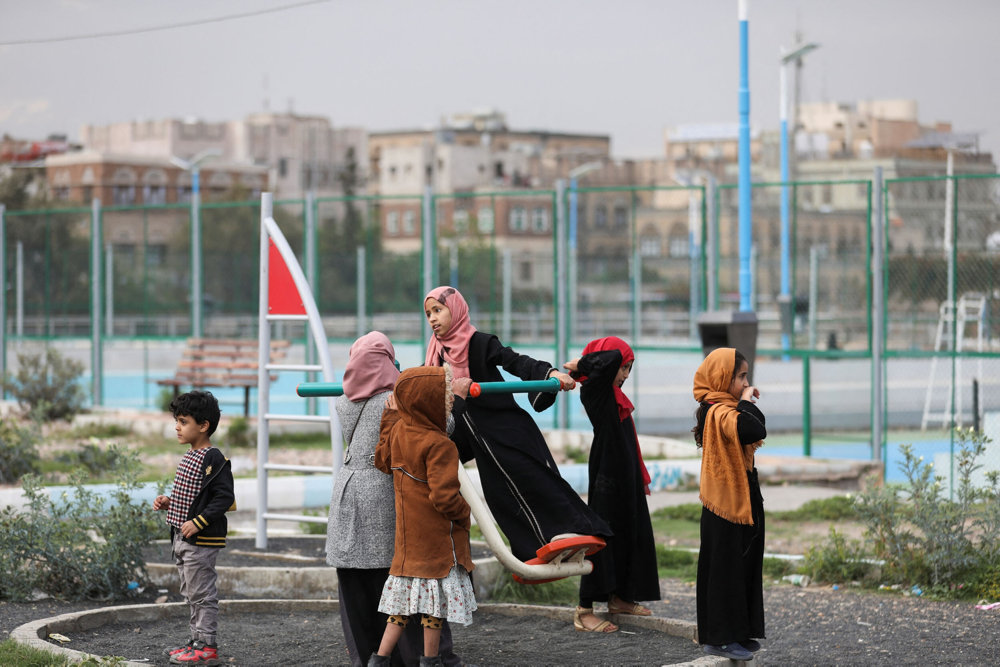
[(197, 654), (171, 652)]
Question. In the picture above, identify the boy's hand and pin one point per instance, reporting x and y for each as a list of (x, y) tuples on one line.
[(750, 394), (161, 503), (565, 381), (188, 529), (460, 387)]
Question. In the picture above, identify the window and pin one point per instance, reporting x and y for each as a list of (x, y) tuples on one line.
[(409, 222), (540, 219), (600, 216), (581, 215), (156, 254), (649, 246), (392, 223), (184, 194), (621, 216), (518, 221), (461, 220), (526, 268), (485, 220), (154, 194), (678, 246), (827, 194), (123, 195), (282, 167), (498, 169)]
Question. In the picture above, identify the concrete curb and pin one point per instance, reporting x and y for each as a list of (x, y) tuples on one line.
[(33, 634)]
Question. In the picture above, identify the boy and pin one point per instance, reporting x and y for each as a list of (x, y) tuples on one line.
[(196, 512)]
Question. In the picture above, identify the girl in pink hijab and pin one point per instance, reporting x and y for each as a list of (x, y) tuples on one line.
[(531, 502)]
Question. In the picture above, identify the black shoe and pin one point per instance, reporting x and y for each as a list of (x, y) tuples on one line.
[(732, 651), (377, 660), (751, 645), (434, 661)]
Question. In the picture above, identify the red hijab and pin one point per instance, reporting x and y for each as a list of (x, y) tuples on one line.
[(370, 369), (625, 406), (454, 344)]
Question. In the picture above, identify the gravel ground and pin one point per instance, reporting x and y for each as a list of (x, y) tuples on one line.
[(806, 626)]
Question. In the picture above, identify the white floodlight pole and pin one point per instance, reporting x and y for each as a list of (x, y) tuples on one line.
[(575, 175), (194, 166)]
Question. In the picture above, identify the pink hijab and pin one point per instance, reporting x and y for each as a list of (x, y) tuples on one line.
[(454, 344), (370, 369)]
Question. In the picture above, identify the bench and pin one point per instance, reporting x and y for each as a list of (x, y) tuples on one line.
[(222, 362)]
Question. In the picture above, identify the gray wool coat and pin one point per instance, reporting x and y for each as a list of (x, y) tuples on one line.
[(361, 530)]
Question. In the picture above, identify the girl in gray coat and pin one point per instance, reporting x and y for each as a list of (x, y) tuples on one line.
[(362, 524)]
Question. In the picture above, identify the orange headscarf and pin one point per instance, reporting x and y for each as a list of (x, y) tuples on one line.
[(725, 490)]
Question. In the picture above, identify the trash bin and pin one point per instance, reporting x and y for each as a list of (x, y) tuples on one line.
[(729, 328)]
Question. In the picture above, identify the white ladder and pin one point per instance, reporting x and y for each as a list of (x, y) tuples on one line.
[(952, 323)]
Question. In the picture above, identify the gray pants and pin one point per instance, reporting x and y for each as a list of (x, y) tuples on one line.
[(196, 567)]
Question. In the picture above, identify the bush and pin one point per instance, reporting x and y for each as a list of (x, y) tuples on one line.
[(837, 560), (90, 457), (239, 434), (18, 453), (47, 385), (559, 592), (314, 527), (838, 508), (79, 545), (685, 512)]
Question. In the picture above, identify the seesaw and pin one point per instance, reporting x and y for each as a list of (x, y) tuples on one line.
[(556, 560)]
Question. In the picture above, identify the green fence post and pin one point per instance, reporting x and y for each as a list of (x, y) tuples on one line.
[(806, 405), (96, 238)]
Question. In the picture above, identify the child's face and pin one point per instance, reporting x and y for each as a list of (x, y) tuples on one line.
[(438, 316), (188, 430), (740, 381), (623, 373)]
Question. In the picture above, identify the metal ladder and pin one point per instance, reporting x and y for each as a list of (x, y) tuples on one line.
[(952, 323), (285, 296)]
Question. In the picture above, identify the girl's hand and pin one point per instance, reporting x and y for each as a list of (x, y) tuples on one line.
[(390, 402), (571, 366), (565, 381), (460, 387), (750, 394)]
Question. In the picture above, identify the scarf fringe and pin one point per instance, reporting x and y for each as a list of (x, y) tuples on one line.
[(722, 514)]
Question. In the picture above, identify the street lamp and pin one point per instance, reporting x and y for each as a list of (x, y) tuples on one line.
[(575, 174), (793, 55), (194, 166)]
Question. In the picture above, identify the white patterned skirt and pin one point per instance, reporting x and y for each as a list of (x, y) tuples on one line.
[(452, 597)]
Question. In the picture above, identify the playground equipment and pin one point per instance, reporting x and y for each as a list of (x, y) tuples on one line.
[(285, 296), (951, 335), (557, 559)]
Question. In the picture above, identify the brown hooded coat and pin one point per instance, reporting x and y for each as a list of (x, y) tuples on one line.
[(432, 518)]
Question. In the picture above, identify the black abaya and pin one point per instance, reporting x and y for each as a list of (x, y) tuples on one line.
[(530, 501), (627, 567)]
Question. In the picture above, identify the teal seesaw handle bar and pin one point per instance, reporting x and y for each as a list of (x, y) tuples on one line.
[(552, 385), (314, 389)]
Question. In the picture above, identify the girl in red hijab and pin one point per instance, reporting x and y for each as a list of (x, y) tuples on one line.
[(625, 571)]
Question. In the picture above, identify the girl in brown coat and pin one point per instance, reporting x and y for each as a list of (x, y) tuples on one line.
[(429, 574)]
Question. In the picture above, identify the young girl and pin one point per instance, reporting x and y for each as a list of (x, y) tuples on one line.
[(362, 519), (430, 568), (521, 483), (729, 430), (626, 570)]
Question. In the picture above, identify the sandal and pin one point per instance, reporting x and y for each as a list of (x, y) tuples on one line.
[(619, 606), (602, 627)]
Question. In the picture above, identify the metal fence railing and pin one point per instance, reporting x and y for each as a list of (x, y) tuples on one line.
[(548, 270)]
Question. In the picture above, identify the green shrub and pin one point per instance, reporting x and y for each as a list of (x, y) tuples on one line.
[(18, 452), (80, 544), (100, 430), (776, 568), (47, 385), (676, 563), (685, 512), (239, 434), (89, 456), (838, 508), (165, 398), (837, 560), (314, 527)]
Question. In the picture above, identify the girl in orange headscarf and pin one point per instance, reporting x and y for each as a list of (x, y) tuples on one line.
[(729, 429), (626, 570)]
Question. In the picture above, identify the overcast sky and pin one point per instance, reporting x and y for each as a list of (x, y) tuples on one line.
[(628, 68)]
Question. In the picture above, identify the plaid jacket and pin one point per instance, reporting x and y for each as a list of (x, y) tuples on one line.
[(216, 497)]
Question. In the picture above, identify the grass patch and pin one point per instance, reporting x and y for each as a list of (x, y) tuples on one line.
[(838, 508), (12, 653), (561, 592), (101, 431), (685, 512), (307, 440), (676, 563)]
